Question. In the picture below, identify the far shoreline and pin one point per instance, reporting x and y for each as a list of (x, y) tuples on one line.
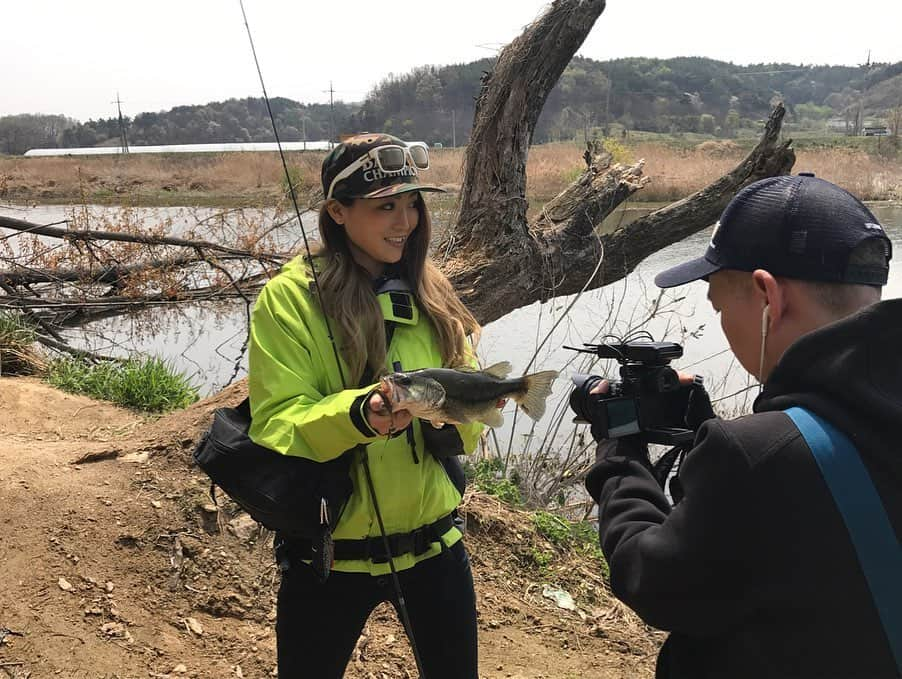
[(256, 179)]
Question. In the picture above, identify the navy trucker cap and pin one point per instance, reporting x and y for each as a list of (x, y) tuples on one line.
[(794, 226)]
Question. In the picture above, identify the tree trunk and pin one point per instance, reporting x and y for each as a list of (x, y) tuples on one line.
[(493, 257), (493, 203)]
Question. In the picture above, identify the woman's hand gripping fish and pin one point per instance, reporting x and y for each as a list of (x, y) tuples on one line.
[(445, 395)]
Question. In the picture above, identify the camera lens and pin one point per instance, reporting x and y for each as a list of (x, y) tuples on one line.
[(580, 398)]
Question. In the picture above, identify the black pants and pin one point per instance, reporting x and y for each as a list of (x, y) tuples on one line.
[(318, 624)]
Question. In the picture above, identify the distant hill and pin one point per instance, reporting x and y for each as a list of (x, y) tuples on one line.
[(689, 94), (436, 104)]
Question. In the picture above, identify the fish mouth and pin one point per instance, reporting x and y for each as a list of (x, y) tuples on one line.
[(394, 391), (422, 398)]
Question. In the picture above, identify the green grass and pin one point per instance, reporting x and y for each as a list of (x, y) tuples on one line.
[(16, 338), (488, 475), (748, 138), (15, 331), (147, 384), (580, 536), (542, 559), (575, 536), (681, 140)]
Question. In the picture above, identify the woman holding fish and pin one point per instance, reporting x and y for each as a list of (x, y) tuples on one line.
[(388, 309)]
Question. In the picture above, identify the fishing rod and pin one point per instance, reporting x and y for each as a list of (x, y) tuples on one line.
[(402, 606)]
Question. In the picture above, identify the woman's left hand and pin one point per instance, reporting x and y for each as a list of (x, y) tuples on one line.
[(382, 419)]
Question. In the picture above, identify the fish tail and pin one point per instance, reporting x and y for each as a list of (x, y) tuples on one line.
[(538, 388)]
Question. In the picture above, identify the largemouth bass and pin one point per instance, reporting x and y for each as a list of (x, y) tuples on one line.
[(454, 396)]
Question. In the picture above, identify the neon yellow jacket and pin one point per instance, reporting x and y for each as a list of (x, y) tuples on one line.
[(299, 407)]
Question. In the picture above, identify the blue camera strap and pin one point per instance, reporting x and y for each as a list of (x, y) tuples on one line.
[(875, 541)]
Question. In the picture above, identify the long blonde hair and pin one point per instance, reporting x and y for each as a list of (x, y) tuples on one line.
[(346, 292)]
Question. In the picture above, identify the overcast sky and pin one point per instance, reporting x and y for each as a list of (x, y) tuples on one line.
[(71, 57)]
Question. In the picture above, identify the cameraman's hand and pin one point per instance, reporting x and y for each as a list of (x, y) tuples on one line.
[(601, 388), (599, 429), (698, 407)]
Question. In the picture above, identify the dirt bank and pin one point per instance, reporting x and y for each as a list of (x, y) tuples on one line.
[(120, 568)]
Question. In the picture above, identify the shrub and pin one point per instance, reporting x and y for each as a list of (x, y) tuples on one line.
[(618, 151), (297, 179)]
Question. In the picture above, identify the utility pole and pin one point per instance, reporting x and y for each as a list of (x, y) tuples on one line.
[(331, 92), (607, 110), (304, 131), (453, 131), (123, 138)]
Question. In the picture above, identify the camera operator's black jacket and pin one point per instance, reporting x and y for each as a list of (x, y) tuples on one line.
[(753, 571)]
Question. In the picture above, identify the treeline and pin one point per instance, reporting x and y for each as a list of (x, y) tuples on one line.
[(234, 120), (436, 104), (27, 131)]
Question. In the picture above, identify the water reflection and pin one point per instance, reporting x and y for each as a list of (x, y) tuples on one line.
[(208, 342), (681, 315)]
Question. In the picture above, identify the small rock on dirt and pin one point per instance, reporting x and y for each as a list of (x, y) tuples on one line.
[(194, 626), (243, 527)]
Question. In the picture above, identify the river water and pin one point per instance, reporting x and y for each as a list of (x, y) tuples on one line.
[(208, 344)]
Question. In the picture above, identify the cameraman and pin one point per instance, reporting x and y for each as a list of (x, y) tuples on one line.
[(753, 570)]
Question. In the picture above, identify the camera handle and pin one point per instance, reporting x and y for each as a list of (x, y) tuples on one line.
[(664, 466)]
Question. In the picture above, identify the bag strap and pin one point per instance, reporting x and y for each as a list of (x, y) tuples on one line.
[(873, 537), (245, 408), (416, 542)]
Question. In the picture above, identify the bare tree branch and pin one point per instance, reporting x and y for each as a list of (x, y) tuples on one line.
[(88, 235), (111, 275)]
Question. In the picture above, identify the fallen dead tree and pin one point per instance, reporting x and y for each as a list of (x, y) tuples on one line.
[(61, 277)]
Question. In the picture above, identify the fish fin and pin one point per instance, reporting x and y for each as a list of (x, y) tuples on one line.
[(538, 388), (492, 417), (500, 370)]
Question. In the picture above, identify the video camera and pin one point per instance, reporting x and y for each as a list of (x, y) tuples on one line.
[(638, 403)]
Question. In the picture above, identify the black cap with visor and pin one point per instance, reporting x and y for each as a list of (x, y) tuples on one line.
[(374, 165), (794, 226)]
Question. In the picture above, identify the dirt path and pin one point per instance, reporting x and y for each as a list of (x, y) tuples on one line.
[(119, 568)]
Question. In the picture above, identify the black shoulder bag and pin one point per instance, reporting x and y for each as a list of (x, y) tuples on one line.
[(285, 493)]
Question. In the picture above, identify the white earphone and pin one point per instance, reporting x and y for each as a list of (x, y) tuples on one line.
[(765, 315)]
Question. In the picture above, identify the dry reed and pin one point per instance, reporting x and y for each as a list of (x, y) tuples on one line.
[(229, 178)]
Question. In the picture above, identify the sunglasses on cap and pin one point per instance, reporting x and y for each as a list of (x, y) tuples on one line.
[(389, 159)]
